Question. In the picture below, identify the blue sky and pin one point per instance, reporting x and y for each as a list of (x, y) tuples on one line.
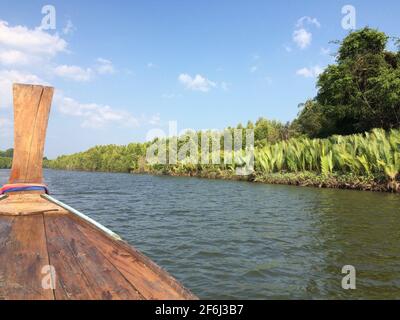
[(122, 68)]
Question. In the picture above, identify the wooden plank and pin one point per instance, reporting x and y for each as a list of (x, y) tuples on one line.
[(148, 278), (5, 230), (105, 281), (27, 203), (71, 282), (31, 112), (22, 258)]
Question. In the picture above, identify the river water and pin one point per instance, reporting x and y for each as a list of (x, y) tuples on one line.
[(239, 240)]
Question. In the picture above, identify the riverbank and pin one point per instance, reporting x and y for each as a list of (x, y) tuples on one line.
[(302, 179), (5, 162), (369, 161)]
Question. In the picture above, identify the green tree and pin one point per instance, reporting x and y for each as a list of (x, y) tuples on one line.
[(358, 93)]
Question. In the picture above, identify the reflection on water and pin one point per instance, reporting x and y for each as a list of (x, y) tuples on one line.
[(226, 239)]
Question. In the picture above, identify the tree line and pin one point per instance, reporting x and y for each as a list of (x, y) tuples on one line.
[(6, 158), (358, 93)]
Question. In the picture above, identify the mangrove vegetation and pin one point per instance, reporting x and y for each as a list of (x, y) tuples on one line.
[(346, 137), (6, 158)]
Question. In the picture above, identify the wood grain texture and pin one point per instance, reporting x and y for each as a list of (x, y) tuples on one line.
[(71, 281), (88, 263), (105, 281), (23, 255), (148, 278), (5, 230), (27, 203), (31, 112)]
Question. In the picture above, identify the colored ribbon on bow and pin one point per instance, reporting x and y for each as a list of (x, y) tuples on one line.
[(18, 187)]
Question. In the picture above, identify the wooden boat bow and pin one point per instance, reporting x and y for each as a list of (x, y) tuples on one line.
[(49, 250)]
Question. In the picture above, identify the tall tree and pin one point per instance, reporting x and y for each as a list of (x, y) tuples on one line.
[(361, 91)]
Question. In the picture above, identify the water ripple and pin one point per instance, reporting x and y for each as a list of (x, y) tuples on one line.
[(232, 240)]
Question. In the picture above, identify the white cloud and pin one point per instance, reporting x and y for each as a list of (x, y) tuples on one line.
[(73, 73), (21, 46), (34, 47), (311, 72), (69, 28), (13, 57), (302, 38), (253, 69), (151, 65), (8, 77), (104, 66), (94, 115), (198, 83), (307, 20), (79, 74), (155, 120), (32, 41)]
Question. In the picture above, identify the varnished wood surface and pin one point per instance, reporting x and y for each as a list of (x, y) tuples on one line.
[(88, 263)]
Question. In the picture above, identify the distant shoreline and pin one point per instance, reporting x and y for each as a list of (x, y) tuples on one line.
[(301, 179)]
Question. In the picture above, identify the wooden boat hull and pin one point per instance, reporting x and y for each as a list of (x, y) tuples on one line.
[(48, 252)]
